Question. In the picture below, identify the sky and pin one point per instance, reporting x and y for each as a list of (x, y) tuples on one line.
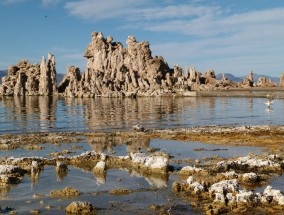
[(230, 36)]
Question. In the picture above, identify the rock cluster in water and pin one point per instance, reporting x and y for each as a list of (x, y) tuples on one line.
[(25, 78), (223, 192), (115, 71)]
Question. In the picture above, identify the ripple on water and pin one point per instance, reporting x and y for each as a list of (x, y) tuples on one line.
[(44, 114)]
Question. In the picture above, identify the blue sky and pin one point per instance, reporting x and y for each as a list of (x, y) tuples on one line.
[(231, 36)]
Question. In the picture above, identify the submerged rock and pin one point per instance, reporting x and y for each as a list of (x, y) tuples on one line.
[(80, 208), (65, 193)]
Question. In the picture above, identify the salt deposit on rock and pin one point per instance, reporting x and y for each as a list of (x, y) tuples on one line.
[(153, 162), (230, 175), (254, 162), (10, 174), (197, 187), (158, 162), (8, 169), (190, 169), (190, 180), (248, 161), (249, 177), (244, 196), (277, 195), (219, 197), (225, 186)]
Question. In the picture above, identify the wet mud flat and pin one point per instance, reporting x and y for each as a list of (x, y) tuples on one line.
[(255, 92), (196, 170)]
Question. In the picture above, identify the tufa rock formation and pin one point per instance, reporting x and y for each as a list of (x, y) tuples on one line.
[(114, 71), (281, 82), (248, 81), (264, 82), (25, 78)]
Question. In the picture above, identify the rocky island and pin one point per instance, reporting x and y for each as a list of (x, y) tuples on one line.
[(115, 71)]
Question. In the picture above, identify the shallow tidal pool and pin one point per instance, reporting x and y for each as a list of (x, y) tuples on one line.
[(146, 191)]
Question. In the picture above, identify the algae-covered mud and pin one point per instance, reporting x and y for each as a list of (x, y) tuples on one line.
[(196, 170)]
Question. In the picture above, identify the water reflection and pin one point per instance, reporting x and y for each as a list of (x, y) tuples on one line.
[(28, 114), (49, 114), (110, 144)]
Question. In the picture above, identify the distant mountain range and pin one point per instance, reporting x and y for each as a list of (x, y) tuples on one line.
[(230, 76), (241, 78), (3, 73)]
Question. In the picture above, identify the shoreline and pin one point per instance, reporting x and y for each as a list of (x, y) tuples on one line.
[(193, 181), (255, 92)]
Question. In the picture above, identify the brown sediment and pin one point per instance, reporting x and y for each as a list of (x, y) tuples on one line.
[(80, 208), (119, 192), (264, 136), (67, 192)]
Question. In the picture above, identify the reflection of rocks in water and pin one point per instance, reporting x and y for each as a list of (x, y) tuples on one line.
[(35, 178), (105, 113), (159, 181), (36, 168), (4, 189), (60, 175), (61, 170), (47, 107), (39, 112), (101, 177), (106, 143), (24, 110)]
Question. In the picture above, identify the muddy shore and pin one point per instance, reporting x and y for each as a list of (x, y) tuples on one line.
[(193, 183)]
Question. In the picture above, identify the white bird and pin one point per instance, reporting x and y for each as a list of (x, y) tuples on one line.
[(269, 103)]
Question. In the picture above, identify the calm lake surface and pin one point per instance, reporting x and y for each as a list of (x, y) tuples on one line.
[(50, 114)]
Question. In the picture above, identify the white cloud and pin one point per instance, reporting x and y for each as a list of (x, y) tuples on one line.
[(216, 36), (216, 23), (99, 10)]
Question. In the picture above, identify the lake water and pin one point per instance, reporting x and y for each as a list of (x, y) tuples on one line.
[(50, 114)]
